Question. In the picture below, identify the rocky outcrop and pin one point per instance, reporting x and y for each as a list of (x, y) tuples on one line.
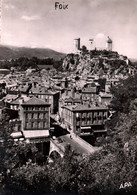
[(98, 62)]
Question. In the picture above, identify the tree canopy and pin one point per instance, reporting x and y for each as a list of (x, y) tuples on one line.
[(123, 94)]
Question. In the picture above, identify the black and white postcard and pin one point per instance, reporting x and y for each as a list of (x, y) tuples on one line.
[(68, 97)]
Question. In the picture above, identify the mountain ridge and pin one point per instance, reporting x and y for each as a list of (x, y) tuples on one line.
[(12, 52)]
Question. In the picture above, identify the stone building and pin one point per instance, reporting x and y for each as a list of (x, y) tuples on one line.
[(34, 126), (84, 120), (34, 114)]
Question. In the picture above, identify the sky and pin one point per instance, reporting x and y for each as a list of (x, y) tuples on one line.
[(36, 23)]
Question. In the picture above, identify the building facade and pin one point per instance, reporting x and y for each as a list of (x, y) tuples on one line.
[(48, 96), (35, 115), (84, 120), (33, 124)]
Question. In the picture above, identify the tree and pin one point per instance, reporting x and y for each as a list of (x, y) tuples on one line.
[(30, 178), (64, 172), (123, 93)]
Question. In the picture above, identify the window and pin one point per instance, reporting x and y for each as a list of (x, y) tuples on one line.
[(26, 115), (35, 115), (32, 115), (36, 108), (35, 125), (41, 116), (78, 130), (95, 115), (45, 115), (32, 124), (88, 115), (26, 125), (46, 109), (38, 125), (45, 124), (100, 113), (41, 124), (105, 115), (29, 108), (29, 115)]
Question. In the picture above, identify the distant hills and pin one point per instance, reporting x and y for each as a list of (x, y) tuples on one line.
[(11, 52), (133, 60)]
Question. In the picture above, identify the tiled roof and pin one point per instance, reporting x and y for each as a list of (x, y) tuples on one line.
[(38, 89), (72, 100), (90, 84), (35, 101), (52, 92), (10, 96), (17, 101), (105, 95), (42, 90), (84, 107), (89, 90), (23, 88)]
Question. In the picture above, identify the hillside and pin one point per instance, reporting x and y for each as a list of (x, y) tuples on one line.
[(98, 62), (10, 52)]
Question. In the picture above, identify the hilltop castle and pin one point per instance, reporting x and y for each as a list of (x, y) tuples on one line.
[(100, 42)]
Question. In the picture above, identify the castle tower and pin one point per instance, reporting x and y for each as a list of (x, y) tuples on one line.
[(109, 44), (76, 45), (91, 44)]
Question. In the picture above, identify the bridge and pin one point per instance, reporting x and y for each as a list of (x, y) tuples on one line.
[(76, 143), (56, 146)]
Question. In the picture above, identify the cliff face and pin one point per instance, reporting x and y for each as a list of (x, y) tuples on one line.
[(98, 62)]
